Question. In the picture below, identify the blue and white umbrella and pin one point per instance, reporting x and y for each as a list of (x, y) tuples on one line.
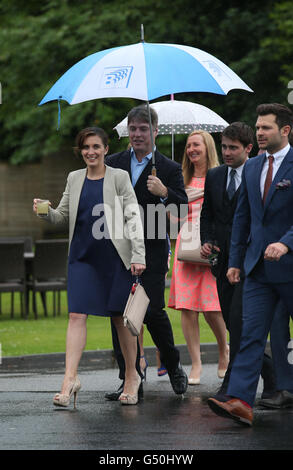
[(144, 71)]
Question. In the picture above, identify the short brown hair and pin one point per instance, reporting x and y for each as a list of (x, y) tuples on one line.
[(239, 131), (141, 114), (284, 115), (87, 132)]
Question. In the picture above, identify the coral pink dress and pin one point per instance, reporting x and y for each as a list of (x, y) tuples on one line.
[(193, 287)]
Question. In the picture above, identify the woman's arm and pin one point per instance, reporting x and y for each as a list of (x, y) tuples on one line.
[(60, 215)]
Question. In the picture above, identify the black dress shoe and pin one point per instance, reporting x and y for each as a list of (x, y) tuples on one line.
[(281, 399), (179, 380), (114, 396), (267, 394)]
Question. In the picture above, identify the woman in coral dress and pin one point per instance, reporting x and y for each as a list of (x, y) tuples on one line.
[(193, 287)]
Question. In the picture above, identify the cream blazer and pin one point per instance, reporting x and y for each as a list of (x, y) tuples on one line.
[(121, 212)]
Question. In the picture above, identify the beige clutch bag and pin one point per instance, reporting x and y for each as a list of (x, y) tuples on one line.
[(189, 244), (135, 309)]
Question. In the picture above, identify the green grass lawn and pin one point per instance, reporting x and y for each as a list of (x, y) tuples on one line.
[(45, 335)]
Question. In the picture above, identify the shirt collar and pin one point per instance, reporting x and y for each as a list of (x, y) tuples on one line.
[(238, 169), (133, 156), (281, 153)]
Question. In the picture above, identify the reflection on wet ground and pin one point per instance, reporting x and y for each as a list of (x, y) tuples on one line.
[(161, 421)]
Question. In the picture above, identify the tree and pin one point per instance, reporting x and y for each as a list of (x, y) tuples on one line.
[(40, 41), (279, 45)]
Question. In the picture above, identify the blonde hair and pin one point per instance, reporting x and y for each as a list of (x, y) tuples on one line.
[(212, 156)]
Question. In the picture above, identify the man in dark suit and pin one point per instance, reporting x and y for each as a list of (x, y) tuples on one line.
[(153, 192), (262, 236), (216, 225)]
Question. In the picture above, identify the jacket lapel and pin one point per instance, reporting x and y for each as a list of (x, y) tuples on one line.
[(255, 181), (127, 163), (75, 192)]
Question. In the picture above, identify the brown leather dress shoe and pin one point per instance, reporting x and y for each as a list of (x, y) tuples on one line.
[(233, 409)]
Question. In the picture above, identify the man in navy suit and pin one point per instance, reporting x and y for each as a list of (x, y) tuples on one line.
[(215, 226), (262, 236), (166, 188)]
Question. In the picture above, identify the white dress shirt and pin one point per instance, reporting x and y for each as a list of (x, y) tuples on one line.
[(237, 177), (278, 158)]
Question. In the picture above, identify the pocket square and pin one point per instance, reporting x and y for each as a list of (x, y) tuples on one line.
[(284, 184)]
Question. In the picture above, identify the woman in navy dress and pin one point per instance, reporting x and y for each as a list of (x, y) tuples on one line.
[(100, 266)]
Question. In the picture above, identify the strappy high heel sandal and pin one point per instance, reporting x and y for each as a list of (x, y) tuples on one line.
[(127, 399), (62, 399)]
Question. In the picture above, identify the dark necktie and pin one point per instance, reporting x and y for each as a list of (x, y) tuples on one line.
[(231, 187), (269, 178)]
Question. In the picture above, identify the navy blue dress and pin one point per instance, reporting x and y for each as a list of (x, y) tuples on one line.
[(98, 282)]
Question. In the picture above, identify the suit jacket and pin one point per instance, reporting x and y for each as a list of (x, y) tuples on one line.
[(120, 208), (217, 215), (170, 173), (256, 225)]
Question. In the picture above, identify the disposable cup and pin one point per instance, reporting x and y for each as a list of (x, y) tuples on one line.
[(42, 207)]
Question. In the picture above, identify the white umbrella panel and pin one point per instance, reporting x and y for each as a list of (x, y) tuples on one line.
[(181, 117)]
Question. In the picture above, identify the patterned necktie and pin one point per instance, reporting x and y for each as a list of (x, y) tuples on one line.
[(231, 187), (269, 178)]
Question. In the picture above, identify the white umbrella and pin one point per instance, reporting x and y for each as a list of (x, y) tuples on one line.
[(181, 117)]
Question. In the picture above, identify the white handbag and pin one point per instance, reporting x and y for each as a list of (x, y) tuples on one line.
[(135, 308), (189, 244)]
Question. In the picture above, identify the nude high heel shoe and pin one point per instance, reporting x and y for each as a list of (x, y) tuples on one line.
[(196, 379), (222, 372), (127, 399), (62, 399)]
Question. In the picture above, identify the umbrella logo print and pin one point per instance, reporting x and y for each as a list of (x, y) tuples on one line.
[(116, 77), (216, 69)]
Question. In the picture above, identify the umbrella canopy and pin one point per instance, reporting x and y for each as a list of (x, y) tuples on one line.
[(181, 117), (144, 71)]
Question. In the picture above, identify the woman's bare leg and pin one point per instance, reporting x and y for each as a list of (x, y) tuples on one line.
[(128, 344), (216, 322), (75, 344), (190, 328)]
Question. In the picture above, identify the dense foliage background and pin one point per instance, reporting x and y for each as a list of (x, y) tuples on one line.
[(39, 41)]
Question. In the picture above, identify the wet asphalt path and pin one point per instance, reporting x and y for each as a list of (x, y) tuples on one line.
[(162, 421)]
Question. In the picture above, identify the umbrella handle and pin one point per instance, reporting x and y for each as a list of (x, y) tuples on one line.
[(152, 140)]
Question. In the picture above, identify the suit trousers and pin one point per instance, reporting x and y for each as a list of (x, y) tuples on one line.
[(157, 322), (230, 297), (279, 338), (260, 301)]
